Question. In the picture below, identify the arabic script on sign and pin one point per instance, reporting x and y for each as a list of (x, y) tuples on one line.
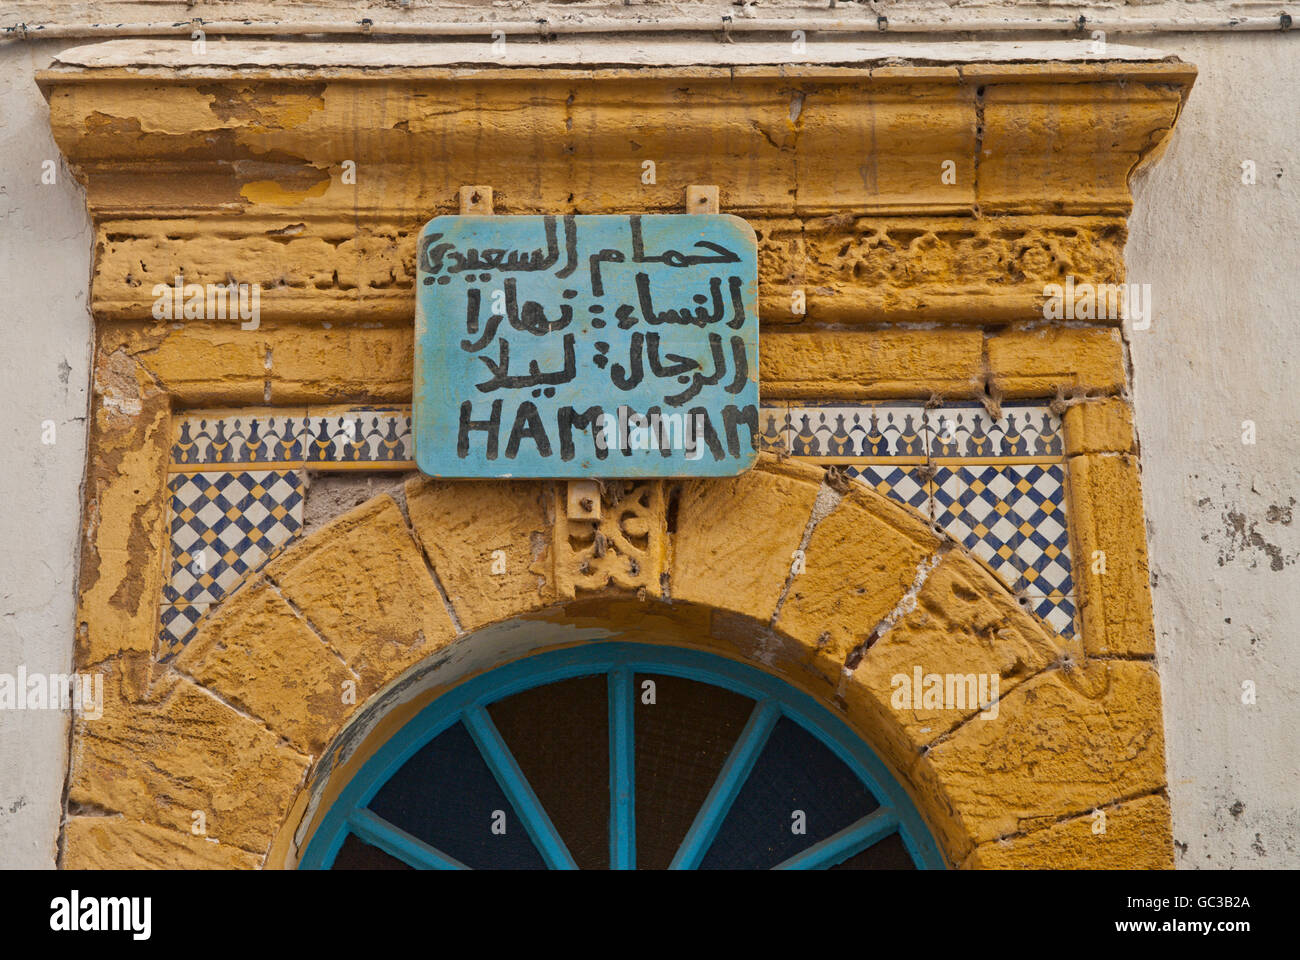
[(605, 346)]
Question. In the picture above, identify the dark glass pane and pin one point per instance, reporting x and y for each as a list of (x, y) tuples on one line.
[(446, 796), (795, 772), (358, 855), (888, 854), (559, 735), (682, 740)]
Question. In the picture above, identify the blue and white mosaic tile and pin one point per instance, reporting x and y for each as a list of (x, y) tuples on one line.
[(238, 437), (238, 482), (908, 485), (996, 485), (371, 438), (226, 525)]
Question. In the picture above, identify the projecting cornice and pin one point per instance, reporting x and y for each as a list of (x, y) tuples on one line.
[(939, 190)]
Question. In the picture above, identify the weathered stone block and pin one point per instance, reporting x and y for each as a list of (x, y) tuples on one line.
[(860, 561), (1137, 835), (184, 750), (115, 843), (1110, 555), (363, 583), (735, 539), (489, 543)]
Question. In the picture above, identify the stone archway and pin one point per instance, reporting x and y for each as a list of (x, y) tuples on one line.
[(835, 589)]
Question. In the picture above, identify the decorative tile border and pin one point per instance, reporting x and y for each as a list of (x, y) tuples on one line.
[(237, 437), (369, 438), (238, 481), (962, 432), (343, 437), (996, 485)]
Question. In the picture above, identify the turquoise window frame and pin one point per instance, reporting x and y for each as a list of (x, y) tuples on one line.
[(620, 662)]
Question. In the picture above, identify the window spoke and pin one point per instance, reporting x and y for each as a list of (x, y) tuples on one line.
[(622, 772), (740, 762), (851, 840), (378, 832), (503, 766)]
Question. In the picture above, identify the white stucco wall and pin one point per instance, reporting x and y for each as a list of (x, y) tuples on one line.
[(45, 245), (1221, 258), (1221, 261)]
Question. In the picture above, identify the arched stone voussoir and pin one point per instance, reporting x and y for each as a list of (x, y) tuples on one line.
[(961, 635), (734, 541), (1132, 834), (264, 659), (179, 753), (371, 601), (324, 625), (860, 561), (1066, 741), (489, 542), (366, 588)]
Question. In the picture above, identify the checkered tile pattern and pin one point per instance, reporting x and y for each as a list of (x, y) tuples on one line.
[(226, 525), (899, 483), (976, 482), (177, 624), (1057, 610), (1013, 518)]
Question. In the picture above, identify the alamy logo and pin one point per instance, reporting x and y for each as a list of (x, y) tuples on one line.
[(946, 691), (1098, 301), (208, 301), (633, 431), (83, 692), (74, 912)]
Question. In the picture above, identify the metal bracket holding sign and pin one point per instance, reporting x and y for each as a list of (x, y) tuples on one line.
[(586, 346)]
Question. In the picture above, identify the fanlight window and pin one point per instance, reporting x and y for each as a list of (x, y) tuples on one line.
[(623, 756)]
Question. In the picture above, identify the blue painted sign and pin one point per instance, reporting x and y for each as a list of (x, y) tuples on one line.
[(586, 346)]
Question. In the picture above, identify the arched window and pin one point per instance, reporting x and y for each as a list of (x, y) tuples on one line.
[(624, 756)]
